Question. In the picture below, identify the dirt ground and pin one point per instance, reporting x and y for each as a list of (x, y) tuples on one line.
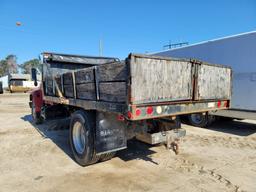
[(36, 158)]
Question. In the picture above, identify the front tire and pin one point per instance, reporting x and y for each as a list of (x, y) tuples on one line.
[(82, 128), (37, 118)]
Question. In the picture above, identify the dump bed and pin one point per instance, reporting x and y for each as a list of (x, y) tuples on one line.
[(158, 79), (139, 87)]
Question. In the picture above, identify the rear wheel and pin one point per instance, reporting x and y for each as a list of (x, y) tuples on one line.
[(82, 137), (37, 118), (200, 119)]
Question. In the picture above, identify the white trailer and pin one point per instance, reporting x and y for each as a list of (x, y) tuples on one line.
[(237, 51)]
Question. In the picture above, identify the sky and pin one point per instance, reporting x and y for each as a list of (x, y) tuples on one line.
[(139, 26)]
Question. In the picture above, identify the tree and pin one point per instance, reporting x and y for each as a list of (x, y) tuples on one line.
[(26, 66), (12, 64), (3, 67), (8, 65)]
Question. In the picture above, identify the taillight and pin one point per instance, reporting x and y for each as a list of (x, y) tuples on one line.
[(129, 114), (138, 112), (150, 110), (120, 117), (219, 104)]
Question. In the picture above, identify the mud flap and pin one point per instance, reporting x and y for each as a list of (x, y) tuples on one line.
[(110, 133)]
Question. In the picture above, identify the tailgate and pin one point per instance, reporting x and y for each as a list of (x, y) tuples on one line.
[(213, 82), (155, 79)]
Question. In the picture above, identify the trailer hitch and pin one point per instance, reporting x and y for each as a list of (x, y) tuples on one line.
[(175, 147), (173, 138)]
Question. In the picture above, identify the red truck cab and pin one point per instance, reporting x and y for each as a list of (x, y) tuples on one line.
[(36, 103)]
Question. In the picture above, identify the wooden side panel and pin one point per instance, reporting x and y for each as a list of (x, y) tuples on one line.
[(49, 86), (213, 82), (49, 90), (158, 80), (67, 78), (85, 75), (86, 91), (49, 82), (113, 91), (68, 91), (112, 72)]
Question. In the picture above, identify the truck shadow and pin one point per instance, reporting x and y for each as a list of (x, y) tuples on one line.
[(234, 127), (136, 150), (57, 131)]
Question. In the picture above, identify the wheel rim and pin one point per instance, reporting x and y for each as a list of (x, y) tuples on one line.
[(197, 118), (79, 137)]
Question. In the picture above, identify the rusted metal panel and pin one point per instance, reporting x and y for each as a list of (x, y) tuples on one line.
[(158, 79), (213, 82)]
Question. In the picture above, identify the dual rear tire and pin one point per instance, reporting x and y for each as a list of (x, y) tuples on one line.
[(200, 119), (82, 139)]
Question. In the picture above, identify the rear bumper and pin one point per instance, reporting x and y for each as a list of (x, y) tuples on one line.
[(160, 137), (164, 110)]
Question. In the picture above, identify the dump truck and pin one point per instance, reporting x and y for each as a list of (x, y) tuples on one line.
[(110, 101)]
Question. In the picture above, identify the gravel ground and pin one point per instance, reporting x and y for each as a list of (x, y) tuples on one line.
[(36, 158)]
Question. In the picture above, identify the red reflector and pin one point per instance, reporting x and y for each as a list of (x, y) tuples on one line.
[(138, 112), (120, 117), (150, 110), (219, 104), (129, 114)]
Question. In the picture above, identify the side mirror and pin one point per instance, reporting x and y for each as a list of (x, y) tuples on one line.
[(34, 75)]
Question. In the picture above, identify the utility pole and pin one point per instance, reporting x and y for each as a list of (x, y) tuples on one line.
[(100, 48)]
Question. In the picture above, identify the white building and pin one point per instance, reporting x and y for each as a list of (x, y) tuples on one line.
[(5, 81), (237, 51)]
